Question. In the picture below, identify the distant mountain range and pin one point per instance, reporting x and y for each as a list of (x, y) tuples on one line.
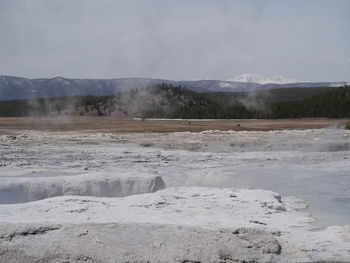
[(12, 88)]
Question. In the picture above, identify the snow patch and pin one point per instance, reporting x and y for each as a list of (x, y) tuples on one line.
[(255, 78)]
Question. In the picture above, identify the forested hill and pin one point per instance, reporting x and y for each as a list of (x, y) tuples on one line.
[(160, 100), (167, 101)]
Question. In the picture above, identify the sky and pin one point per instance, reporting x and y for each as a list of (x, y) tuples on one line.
[(180, 40)]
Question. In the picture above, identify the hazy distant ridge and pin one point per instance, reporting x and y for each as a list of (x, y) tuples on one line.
[(23, 88)]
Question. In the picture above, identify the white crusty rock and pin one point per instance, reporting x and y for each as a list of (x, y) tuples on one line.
[(191, 224), (115, 242)]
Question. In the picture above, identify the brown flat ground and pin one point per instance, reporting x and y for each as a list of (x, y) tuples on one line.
[(117, 125)]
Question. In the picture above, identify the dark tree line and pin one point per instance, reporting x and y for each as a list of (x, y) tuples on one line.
[(334, 103), (167, 101), (48, 106)]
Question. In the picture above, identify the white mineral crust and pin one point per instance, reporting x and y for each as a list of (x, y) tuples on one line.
[(178, 224)]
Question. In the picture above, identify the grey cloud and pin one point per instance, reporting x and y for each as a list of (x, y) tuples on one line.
[(189, 39)]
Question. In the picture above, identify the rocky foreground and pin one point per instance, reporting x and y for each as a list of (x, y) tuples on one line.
[(189, 224), (100, 197)]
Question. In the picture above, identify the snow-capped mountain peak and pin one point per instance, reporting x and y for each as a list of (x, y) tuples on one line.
[(255, 78)]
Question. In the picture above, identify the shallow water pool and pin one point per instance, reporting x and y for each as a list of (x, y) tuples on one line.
[(326, 193)]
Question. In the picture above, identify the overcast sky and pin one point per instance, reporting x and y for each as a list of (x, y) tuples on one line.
[(175, 39)]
